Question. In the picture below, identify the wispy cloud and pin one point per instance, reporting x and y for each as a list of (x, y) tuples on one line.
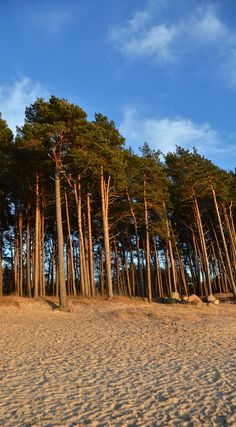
[(15, 97), (165, 133), (139, 38), (206, 26), (52, 19), (149, 34)]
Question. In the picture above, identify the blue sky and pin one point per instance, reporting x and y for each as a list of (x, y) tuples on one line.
[(163, 70)]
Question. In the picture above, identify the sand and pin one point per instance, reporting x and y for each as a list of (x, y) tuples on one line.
[(121, 363)]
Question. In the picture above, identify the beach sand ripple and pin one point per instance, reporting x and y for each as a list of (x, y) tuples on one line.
[(121, 363)]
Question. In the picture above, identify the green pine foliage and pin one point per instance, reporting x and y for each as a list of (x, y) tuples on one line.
[(57, 135)]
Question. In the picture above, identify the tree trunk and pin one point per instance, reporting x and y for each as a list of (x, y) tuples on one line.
[(36, 245), (91, 261), (105, 187), (140, 286), (83, 271), (42, 264), (16, 260), (158, 270), (233, 286), (232, 239), (149, 285), (203, 244), (72, 269), (102, 290), (60, 245), (28, 267), (20, 219)]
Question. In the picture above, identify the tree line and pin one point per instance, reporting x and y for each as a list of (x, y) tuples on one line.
[(83, 215)]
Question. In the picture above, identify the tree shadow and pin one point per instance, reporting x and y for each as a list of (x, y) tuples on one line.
[(53, 305)]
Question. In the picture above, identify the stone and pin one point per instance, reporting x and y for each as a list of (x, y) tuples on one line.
[(194, 299), (211, 298), (217, 302), (175, 295)]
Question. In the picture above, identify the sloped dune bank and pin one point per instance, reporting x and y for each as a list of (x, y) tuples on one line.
[(121, 363)]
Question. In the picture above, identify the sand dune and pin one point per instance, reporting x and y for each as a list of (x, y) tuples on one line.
[(121, 363)]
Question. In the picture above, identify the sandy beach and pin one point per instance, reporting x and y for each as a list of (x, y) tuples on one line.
[(119, 363)]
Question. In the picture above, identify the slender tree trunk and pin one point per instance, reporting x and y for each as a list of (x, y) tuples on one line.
[(28, 267), (102, 274), (158, 271), (105, 187), (53, 268), (83, 272), (232, 224), (36, 245), (203, 244), (133, 271), (149, 285), (140, 284), (168, 276), (181, 266), (42, 269), (60, 244), (232, 239), (91, 261), (117, 268), (171, 252), (233, 286), (86, 256), (217, 268), (197, 264), (20, 219), (16, 260), (127, 274), (223, 268), (72, 271)]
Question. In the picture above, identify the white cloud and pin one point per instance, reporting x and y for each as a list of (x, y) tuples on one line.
[(14, 98), (165, 133), (138, 38), (149, 35), (156, 41), (207, 27)]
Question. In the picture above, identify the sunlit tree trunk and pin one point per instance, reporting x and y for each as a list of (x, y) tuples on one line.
[(42, 269), (140, 284), (149, 285), (91, 261), (117, 261), (158, 271), (203, 244), (127, 274), (28, 267), (83, 271), (105, 187), (16, 260), (233, 286), (231, 238), (36, 244), (60, 245), (72, 269), (20, 219), (102, 274)]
